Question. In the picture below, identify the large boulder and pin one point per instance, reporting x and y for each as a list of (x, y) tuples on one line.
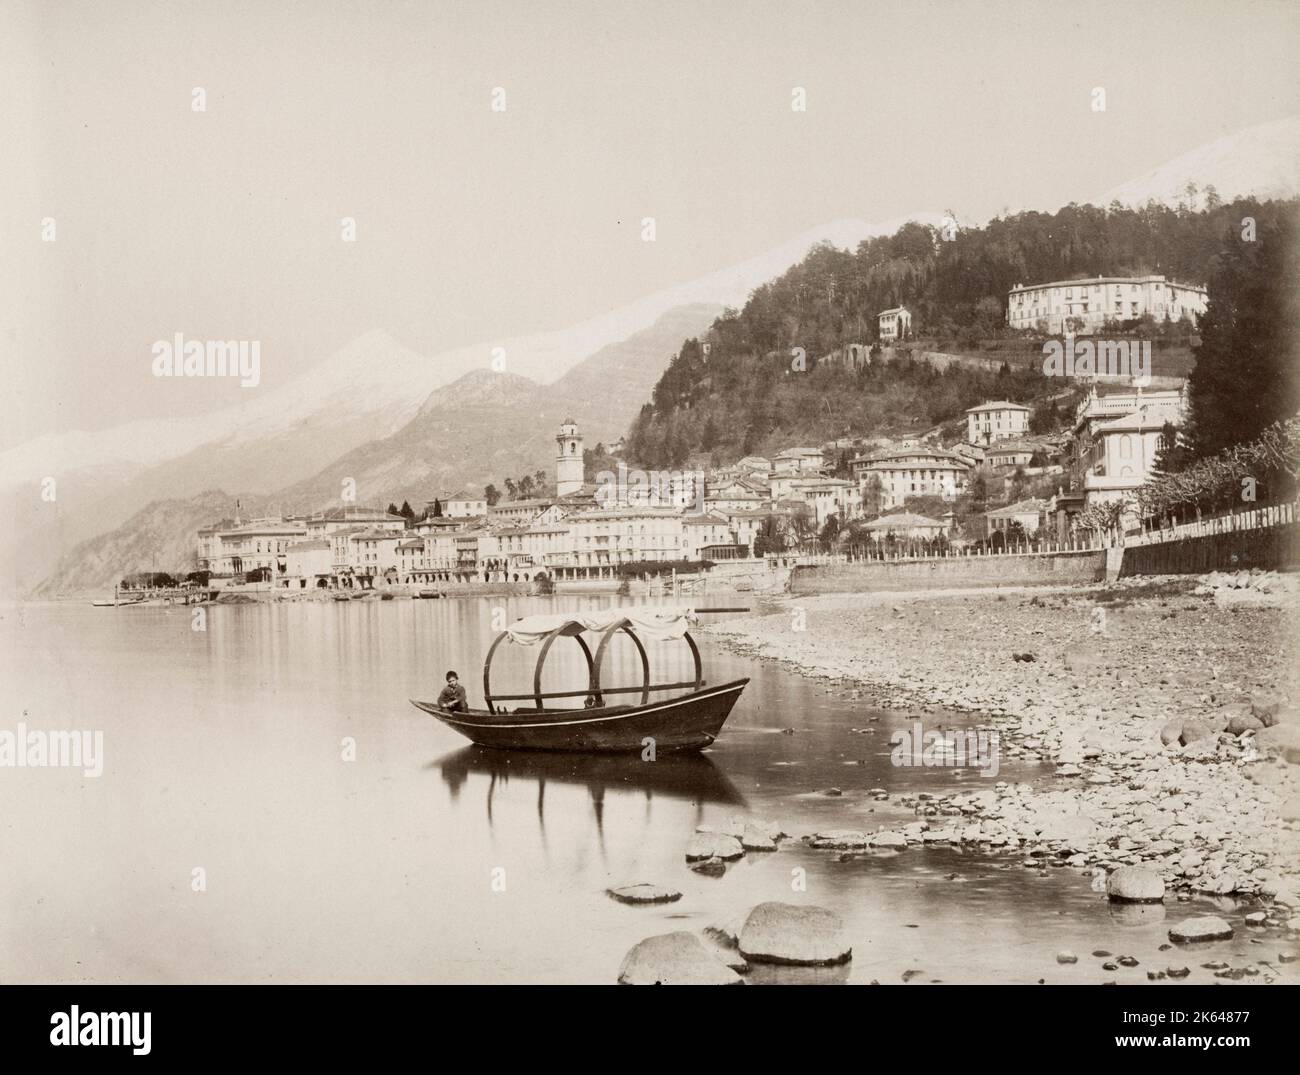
[(1135, 884), (1240, 723), (755, 839), (840, 840), (1269, 708), (794, 934), (1194, 730), (1172, 733), (1282, 740), (709, 845), (679, 958), (1201, 928)]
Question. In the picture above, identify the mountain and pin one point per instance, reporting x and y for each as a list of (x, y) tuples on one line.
[(484, 427), (1262, 161), (488, 426), (158, 537)]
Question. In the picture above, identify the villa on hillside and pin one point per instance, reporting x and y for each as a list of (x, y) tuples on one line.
[(1085, 305)]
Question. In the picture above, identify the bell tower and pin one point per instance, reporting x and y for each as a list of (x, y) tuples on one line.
[(568, 459)]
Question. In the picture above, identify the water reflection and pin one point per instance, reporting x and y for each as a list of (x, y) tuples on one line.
[(689, 778)]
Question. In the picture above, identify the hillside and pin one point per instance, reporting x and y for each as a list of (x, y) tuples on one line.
[(733, 391), (161, 536)]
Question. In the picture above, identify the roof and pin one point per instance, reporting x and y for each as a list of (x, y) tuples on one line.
[(355, 512), (306, 546), (799, 453), (656, 624), (1088, 280), (893, 310), (459, 494), (997, 405), (410, 544), (1020, 507), (362, 534), (903, 518)]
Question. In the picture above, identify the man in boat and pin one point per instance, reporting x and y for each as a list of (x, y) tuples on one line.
[(453, 698)]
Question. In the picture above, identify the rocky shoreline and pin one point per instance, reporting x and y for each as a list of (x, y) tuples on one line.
[(1168, 707)]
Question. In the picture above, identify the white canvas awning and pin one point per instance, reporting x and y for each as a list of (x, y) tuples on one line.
[(651, 622)]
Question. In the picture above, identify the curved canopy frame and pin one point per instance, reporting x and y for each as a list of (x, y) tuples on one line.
[(594, 692)]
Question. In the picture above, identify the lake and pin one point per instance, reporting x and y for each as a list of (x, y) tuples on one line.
[(235, 835)]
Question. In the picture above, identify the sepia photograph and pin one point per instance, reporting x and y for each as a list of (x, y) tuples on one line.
[(575, 493)]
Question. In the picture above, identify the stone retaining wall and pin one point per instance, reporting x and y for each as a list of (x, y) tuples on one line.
[(1021, 569)]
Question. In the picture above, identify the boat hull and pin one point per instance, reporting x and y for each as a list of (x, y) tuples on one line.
[(690, 722)]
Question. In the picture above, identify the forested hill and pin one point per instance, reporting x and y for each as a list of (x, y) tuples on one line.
[(734, 391)]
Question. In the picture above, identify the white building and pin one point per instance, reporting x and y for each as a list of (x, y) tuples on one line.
[(372, 554), (1084, 306), (996, 421), (798, 461), (624, 535), (308, 564), (459, 505), (1117, 437), (250, 546), (895, 324), (568, 459), (911, 472), (709, 537)]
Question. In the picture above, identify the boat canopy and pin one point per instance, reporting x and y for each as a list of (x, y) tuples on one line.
[(659, 624)]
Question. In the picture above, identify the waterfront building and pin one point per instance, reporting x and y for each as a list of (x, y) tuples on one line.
[(624, 535), (411, 562), (372, 554), (710, 537), (257, 544), (1086, 305), (308, 564)]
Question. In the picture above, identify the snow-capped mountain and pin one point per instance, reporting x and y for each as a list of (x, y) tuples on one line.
[(1261, 161), (374, 385)]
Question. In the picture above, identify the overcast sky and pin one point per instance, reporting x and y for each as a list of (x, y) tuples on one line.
[(479, 225)]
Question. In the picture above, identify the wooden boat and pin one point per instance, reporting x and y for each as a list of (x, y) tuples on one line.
[(689, 721), (430, 595)]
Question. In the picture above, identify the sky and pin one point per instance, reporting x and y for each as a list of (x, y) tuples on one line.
[(474, 224)]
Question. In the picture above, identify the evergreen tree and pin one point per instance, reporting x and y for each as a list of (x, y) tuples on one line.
[(1245, 373)]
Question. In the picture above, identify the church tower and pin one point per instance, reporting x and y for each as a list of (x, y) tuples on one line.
[(568, 460)]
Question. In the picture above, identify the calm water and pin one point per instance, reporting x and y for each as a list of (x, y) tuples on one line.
[(223, 752)]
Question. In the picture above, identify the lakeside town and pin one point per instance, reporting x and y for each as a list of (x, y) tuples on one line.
[(1020, 483)]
